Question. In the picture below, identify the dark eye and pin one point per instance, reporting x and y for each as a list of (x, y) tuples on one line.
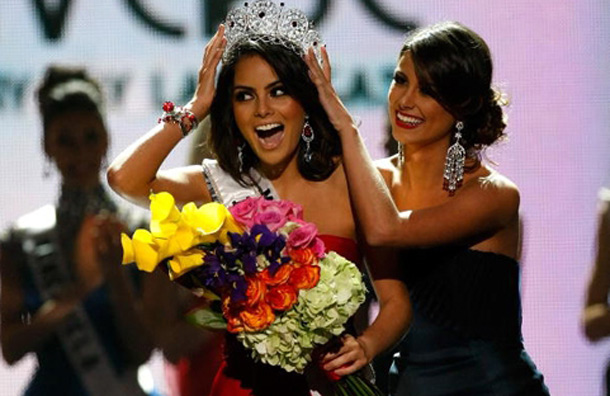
[(399, 79), (278, 91), (242, 96)]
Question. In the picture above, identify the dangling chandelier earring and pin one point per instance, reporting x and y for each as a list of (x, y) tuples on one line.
[(454, 163), (401, 154), (307, 135), (240, 156)]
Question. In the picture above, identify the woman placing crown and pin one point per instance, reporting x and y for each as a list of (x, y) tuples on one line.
[(456, 220), (271, 137)]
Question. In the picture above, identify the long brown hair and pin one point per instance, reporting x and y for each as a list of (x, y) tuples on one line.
[(225, 136)]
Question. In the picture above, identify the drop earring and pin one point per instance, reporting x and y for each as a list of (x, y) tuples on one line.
[(401, 154), (240, 156), (307, 135), (454, 163)]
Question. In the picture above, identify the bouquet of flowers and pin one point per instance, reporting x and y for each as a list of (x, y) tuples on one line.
[(274, 285)]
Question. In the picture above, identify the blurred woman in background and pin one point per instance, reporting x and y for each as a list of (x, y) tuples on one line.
[(65, 296)]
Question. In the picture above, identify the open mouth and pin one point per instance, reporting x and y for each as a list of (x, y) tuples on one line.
[(270, 135)]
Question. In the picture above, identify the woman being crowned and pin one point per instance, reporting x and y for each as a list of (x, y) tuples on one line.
[(270, 137)]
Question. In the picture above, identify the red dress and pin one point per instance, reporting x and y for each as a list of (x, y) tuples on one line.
[(193, 375), (239, 375)]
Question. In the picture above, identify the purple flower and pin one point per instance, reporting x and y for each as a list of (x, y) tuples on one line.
[(212, 274), (249, 263), (238, 287)]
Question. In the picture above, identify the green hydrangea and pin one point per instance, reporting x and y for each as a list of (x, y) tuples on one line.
[(320, 313)]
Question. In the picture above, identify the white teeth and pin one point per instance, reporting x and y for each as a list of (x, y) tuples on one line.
[(407, 119), (267, 127)]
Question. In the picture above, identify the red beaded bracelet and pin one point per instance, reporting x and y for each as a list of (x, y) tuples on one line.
[(179, 115)]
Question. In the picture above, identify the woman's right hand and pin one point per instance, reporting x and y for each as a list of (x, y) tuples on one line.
[(202, 99)]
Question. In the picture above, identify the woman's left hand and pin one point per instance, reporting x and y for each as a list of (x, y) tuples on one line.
[(351, 357), (320, 76)]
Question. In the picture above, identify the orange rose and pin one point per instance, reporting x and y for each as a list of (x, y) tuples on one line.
[(257, 318), (302, 256), (255, 292), (234, 323), (281, 275), (305, 276), (282, 297)]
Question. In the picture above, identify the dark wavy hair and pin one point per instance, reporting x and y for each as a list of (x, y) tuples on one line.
[(453, 65), (68, 89), (225, 136)]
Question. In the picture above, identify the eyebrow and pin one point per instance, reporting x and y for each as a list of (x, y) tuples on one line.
[(270, 85)]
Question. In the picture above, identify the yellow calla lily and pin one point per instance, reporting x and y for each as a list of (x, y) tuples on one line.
[(173, 232), (182, 263), (164, 214), (180, 241), (128, 253), (208, 218), (145, 250), (230, 225)]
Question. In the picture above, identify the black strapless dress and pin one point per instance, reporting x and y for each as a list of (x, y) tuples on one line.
[(465, 338)]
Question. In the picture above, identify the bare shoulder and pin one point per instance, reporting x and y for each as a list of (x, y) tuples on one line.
[(499, 183), (494, 189)]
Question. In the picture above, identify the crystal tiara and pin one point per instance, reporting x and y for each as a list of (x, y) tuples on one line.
[(268, 22)]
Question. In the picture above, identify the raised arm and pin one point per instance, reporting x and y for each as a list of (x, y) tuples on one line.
[(135, 172), (100, 235), (481, 207)]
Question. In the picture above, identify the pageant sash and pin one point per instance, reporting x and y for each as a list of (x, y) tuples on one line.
[(39, 238), (224, 189)]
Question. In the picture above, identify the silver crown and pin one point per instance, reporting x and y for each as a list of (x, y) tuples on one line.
[(272, 23)]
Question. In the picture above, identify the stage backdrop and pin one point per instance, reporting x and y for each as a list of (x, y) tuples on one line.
[(551, 58)]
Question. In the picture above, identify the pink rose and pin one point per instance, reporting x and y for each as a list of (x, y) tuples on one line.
[(292, 211), (273, 220), (302, 237), (244, 211), (318, 248), (287, 209)]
